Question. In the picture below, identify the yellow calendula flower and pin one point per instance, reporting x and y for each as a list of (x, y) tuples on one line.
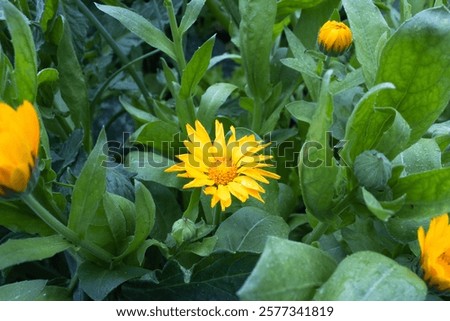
[(334, 38), (19, 144), (224, 168), (435, 252)]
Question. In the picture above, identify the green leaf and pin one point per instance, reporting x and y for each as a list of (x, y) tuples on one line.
[(415, 60), (73, 85), (145, 218), (369, 276), (396, 137), (427, 195), (157, 134), (25, 64), (367, 25), (366, 125), (248, 229), (54, 293), (216, 277), (372, 169), (47, 75), (351, 80), (302, 110), (117, 220), (286, 7), (375, 207), (21, 219), (193, 9), (98, 282), (423, 156), (211, 100), (304, 63), (141, 28), (16, 251), (150, 167), (22, 291), (196, 68), (255, 40), (87, 196), (287, 270), (317, 169)]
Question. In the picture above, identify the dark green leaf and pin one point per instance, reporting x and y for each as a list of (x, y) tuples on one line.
[(98, 282), (216, 277)]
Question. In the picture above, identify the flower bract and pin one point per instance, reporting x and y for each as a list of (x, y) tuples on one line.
[(19, 144), (334, 38), (435, 252), (223, 167)]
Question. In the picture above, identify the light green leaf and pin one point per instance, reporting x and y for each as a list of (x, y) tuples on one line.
[(16, 251), (21, 219), (86, 195), (255, 41), (157, 134), (196, 68), (302, 110), (415, 59), (248, 229), (423, 156), (375, 207), (286, 7), (25, 61), (47, 75), (141, 28), (22, 291), (287, 270), (369, 276), (193, 9), (317, 169), (367, 25), (211, 101)]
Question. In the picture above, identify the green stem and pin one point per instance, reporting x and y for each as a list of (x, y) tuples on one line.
[(316, 233), (63, 230), (258, 109), (217, 215), (107, 36), (192, 211), (189, 115), (218, 13)]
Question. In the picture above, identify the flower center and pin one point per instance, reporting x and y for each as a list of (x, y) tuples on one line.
[(222, 174)]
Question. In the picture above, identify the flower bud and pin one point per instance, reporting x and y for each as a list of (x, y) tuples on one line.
[(19, 145), (183, 230), (334, 38)]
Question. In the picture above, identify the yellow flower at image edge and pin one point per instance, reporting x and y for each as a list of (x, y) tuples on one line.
[(223, 167), (19, 144), (334, 38), (435, 252)]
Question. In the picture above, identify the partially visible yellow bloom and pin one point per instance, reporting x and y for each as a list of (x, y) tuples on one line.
[(19, 144), (435, 252), (223, 167), (334, 38)]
